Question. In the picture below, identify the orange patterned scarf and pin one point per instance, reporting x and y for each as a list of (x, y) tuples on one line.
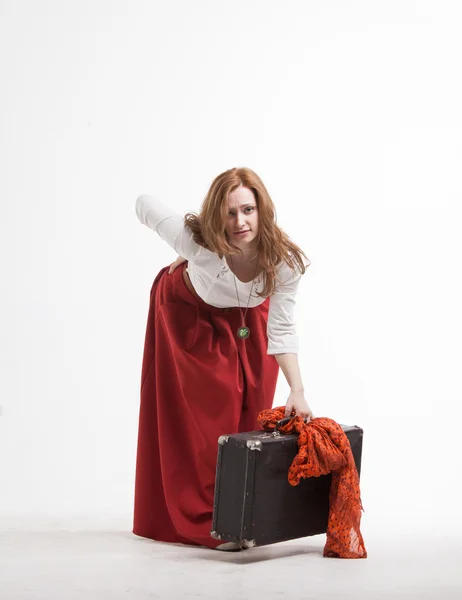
[(323, 447)]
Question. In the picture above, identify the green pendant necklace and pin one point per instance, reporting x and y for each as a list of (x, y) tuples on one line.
[(243, 332)]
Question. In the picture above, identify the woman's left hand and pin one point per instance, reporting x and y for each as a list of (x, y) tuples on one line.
[(176, 263), (298, 403)]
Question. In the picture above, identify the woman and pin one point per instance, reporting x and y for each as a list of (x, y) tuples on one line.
[(218, 330)]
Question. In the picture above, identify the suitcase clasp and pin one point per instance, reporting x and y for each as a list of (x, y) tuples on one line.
[(254, 445)]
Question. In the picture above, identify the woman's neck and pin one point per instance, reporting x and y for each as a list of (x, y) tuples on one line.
[(245, 258), (248, 255)]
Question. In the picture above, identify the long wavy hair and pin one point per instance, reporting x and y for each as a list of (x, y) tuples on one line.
[(273, 244)]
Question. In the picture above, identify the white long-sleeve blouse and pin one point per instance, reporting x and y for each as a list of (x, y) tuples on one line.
[(213, 280)]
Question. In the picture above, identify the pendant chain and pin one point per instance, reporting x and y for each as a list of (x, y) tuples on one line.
[(237, 293)]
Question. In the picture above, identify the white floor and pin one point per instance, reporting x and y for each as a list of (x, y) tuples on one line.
[(66, 563)]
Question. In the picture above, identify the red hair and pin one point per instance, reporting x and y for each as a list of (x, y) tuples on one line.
[(274, 245)]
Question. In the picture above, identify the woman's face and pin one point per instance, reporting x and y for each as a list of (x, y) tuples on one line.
[(242, 216)]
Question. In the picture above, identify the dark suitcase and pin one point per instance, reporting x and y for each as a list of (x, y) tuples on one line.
[(254, 503)]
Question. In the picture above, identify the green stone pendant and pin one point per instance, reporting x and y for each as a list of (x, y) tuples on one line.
[(243, 333)]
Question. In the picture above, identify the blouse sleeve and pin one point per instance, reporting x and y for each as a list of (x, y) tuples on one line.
[(281, 329), (168, 223)]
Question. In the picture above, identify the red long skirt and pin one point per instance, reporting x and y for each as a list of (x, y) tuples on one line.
[(198, 381)]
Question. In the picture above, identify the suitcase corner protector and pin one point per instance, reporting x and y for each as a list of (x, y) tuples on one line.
[(223, 439), (215, 535), (248, 543)]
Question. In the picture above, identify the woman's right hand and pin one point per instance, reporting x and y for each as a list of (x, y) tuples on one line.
[(176, 264)]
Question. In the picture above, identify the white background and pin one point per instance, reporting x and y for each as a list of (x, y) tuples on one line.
[(349, 112)]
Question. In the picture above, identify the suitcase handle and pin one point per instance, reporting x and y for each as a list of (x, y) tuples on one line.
[(283, 422)]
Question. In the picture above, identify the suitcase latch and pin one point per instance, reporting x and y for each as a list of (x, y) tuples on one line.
[(254, 445)]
